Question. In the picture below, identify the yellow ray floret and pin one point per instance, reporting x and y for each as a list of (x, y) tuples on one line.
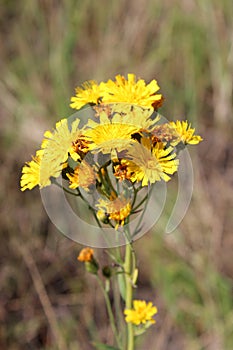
[(184, 133), (31, 174), (132, 91), (109, 135), (55, 149), (141, 313), (151, 165), (50, 160), (84, 176), (125, 113), (118, 209), (89, 92)]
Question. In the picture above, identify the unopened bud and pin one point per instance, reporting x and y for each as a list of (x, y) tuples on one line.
[(87, 256), (107, 271), (92, 266)]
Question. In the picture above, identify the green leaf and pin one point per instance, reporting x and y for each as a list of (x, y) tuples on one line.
[(107, 286), (135, 276), (121, 283), (101, 346)]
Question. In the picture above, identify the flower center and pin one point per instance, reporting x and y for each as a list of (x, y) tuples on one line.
[(152, 164)]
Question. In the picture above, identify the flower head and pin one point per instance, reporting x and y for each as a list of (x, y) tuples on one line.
[(86, 255), (52, 157), (55, 149), (117, 209), (31, 174), (84, 176), (122, 172), (127, 113), (150, 164), (141, 313), (79, 148), (57, 143), (165, 133), (132, 91), (89, 92), (184, 133), (109, 134)]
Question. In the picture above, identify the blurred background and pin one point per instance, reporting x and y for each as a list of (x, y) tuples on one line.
[(47, 48)]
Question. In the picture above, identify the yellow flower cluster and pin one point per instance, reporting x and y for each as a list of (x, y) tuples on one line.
[(124, 129)]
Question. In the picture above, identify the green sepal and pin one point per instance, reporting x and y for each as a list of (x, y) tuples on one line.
[(92, 266), (138, 330)]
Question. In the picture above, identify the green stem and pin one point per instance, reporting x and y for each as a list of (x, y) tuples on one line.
[(110, 313), (136, 190), (108, 180), (143, 212), (129, 293), (139, 204), (64, 189), (79, 194), (89, 207)]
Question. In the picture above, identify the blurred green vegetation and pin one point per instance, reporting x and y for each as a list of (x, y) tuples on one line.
[(47, 48)]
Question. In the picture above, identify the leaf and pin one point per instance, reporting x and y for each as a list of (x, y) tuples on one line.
[(121, 283), (101, 346), (107, 285), (135, 276)]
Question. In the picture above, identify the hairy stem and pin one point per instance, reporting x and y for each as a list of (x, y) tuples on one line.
[(129, 292), (110, 313)]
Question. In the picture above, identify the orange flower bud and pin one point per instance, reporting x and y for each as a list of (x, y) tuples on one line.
[(86, 254)]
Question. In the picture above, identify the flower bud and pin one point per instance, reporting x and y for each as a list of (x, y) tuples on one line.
[(107, 271), (102, 216), (92, 266), (87, 256)]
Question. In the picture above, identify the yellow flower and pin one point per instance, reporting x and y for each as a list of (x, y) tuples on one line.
[(84, 176), (184, 133), (120, 90), (132, 91), (122, 172), (125, 113), (109, 135), (31, 174), (89, 92), (164, 133), (55, 149), (50, 160), (150, 165), (79, 148), (117, 209), (141, 313), (85, 255)]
